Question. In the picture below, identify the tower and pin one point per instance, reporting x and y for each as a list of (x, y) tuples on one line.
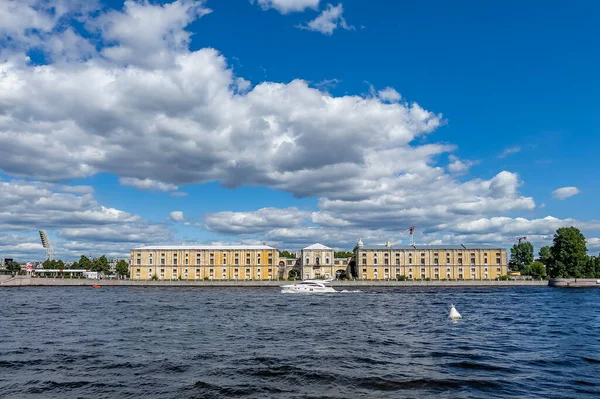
[(46, 244)]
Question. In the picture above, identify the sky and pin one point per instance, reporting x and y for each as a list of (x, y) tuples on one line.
[(290, 122)]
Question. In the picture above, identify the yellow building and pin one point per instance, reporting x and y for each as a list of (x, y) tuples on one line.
[(433, 262), (204, 262)]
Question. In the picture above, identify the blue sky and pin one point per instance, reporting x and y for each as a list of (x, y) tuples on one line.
[(296, 121)]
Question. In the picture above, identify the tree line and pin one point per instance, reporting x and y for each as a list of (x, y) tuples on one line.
[(99, 264), (566, 258)]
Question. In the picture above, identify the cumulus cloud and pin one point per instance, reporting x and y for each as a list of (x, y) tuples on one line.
[(389, 94), (329, 20), (147, 184), (176, 216), (68, 213), (287, 6), (459, 166), (142, 106), (258, 221), (565, 192)]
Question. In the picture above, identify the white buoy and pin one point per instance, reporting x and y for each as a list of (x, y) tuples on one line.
[(454, 315)]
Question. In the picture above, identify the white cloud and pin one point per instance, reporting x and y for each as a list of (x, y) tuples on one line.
[(149, 109), (148, 35), (67, 214), (287, 6), (565, 192), (329, 20), (176, 216), (389, 94), (147, 184), (459, 166), (509, 151), (593, 244), (258, 221)]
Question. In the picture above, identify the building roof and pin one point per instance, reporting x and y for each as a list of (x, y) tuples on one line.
[(438, 247), (317, 246), (201, 247)]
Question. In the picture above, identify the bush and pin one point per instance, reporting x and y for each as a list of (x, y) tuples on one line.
[(504, 278), (205, 279), (400, 277), (427, 279), (154, 278)]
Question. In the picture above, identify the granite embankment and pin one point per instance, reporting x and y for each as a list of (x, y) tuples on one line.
[(574, 282), (24, 281)]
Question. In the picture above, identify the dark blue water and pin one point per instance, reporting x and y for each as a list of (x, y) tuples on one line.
[(68, 342)]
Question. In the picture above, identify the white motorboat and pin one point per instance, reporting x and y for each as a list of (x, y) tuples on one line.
[(309, 287)]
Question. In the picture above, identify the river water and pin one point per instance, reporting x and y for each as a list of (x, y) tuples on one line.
[(117, 342)]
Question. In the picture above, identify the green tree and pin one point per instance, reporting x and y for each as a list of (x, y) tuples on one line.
[(343, 254), (75, 265), (49, 264), (85, 263), (521, 255), (569, 254), (286, 254), (122, 268), (538, 269), (545, 255), (13, 267), (100, 265), (60, 264), (592, 267)]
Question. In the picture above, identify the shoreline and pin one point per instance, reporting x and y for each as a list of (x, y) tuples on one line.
[(22, 281)]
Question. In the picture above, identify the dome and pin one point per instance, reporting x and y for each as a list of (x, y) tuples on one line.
[(360, 243)]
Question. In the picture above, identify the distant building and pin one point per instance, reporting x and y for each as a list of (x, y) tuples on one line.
[(434, 262), (199, 262)]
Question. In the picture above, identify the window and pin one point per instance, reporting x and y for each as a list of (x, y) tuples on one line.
[(197, 271), (436, 261), (326, 261), (374, 261), (364, 270), (211, 270), (270, 270), (187, 261), (197, 259), (498, 270), (422, 270), (460, 276), (138, 270), (472, 261), (317, 261), (139, 261), (162, 270), (175, 259), (248, 259), (270, 260), (258, 259), (422, 261), (497, 261), (162, 259), (409, 259), (436, 270), (174, 271), (364, 261), (472, 270), (437, 276), (386, 270), (386, 261), (307, 261), (224, 259), (247, 270), (397, 270), (212, 259), (485, 260), (236, 261), (150, 259), (448, 260)]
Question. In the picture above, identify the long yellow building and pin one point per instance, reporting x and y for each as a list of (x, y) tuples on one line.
[(433, 262), (204, 262)]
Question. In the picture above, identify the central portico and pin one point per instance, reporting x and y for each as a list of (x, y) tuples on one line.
[(317, 261)]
